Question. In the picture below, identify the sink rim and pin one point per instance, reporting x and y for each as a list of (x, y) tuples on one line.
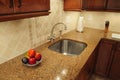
[(66, 39)]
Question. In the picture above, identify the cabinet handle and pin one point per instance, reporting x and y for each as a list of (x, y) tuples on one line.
[(11, 4), (20, 3)]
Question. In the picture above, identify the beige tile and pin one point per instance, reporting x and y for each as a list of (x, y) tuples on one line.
[(97, 20)]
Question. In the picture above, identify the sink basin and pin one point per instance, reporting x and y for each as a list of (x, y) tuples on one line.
[(68, 47)]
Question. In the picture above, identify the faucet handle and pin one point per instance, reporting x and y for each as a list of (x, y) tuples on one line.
[(48, 38), (51, 37)]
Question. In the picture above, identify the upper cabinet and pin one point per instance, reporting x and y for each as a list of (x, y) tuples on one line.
[(113, 5), (115, 66), (5, 7), (22, 6), (94, 4), (104, 5), (18, 9), (104, 57), (72, 5)]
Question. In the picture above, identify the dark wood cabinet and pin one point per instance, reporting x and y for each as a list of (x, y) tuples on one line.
[(115, 67), (22, 6), (101, 5), (18, 9), (72, 5), (113, 5), (94, 4), (104, 58), (88, 69), (104, 61), (5, 7)]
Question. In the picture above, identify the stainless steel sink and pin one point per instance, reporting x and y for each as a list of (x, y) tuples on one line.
[(68, 47)]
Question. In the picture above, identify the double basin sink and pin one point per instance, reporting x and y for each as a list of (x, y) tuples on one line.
[(68, 47)]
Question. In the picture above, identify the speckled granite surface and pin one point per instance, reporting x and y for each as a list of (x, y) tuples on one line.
[(54, 66)]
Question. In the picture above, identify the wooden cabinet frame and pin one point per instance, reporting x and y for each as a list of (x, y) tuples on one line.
[(72, 5), (92, 5), (19, 9)]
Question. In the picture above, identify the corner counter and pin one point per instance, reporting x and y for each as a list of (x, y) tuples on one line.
[(54, 66)]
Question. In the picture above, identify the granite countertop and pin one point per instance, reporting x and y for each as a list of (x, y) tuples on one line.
[(54, 66)]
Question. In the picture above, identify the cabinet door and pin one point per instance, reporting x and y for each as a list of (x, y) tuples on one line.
[(113, 5), (115, 68), (72, 5), (22, 6), (94, 4), (88, 69), (104, 57), (6, 6)]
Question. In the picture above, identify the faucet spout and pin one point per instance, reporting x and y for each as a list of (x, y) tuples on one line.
[(65, 27), (52, 37)]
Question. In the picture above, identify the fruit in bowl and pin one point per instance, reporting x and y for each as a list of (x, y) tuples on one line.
[(38, 56), (25, 60), (31, 53), (32, 58)]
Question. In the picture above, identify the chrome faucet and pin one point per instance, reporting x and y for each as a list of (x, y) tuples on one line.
[(52, 36)]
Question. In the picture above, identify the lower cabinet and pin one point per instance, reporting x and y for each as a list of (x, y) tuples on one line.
[(88, 69), (104, 61), (104, 57), (108, 59), (115, 67)]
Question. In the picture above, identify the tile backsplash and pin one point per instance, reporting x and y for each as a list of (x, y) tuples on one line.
[(97, 20)]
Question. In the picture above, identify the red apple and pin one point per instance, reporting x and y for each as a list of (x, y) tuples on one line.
[(38, 56), (31, 53), (32, 60)]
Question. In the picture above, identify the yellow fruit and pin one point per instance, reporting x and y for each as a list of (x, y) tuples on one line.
[(26, 55)]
